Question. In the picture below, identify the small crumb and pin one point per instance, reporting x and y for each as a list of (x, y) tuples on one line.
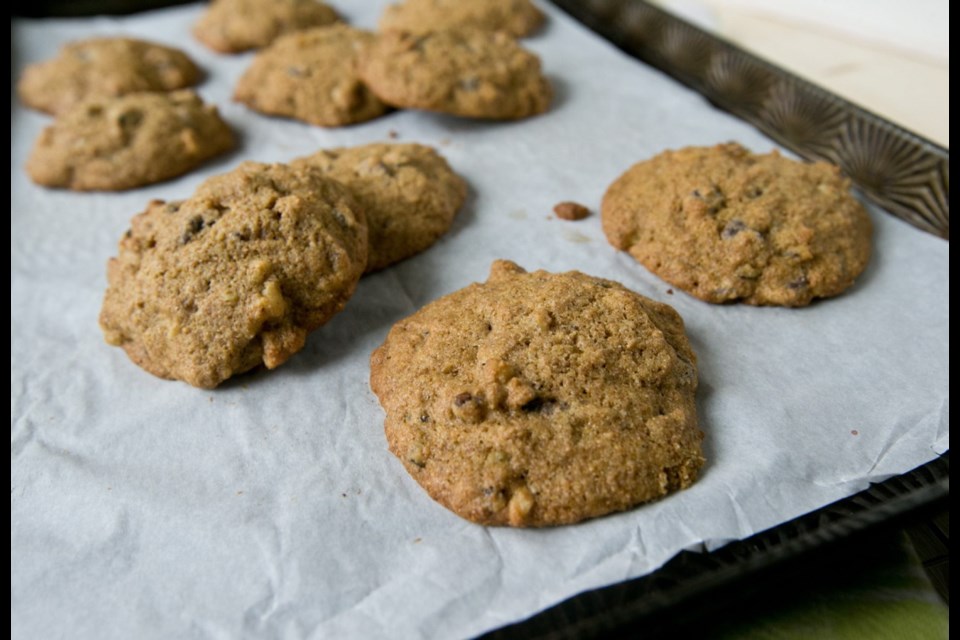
[(444, 142), (571, 211), (210, 398), (344, 495), (239, 493), (669, 292), (854, 432), (109, 488), (417, 540), (393, 135)]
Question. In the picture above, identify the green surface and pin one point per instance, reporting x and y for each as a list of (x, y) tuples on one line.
[(887, 597)]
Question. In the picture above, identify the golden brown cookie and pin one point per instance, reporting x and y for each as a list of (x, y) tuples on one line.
[(538, 399), (235, 276), (515, 17), (127, 142), (101, 68), (408, 192), (231, 26), (726, 225), (471, 73), (311, 76)]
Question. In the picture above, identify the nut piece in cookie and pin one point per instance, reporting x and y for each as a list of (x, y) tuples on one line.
[(311, 76), (102, 68), (129, 141), (539, 399), (727, 225), (232, 26), (235, 276), (470, 73), (517, 18), (408, 192)]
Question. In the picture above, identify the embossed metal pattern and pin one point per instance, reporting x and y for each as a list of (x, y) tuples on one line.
[(905, 174)]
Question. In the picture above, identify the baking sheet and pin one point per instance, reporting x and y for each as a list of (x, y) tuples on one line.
[(271, 506)]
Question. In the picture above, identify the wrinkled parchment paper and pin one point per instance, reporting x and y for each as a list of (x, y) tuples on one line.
[(271, 507)]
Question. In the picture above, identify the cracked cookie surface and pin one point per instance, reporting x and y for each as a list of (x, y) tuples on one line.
[(516, 17), (469, 73), (726, 225), (408, 191), (104, 67), (232, 26), (127, 142), (235, 276), (539, 399), (312, 76)]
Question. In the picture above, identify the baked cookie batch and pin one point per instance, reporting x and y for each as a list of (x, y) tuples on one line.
[(532, 399)]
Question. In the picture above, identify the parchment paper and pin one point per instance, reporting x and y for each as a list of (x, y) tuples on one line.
[(143, 508)]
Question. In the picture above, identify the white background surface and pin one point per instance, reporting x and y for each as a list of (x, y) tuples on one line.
[(271, 506)]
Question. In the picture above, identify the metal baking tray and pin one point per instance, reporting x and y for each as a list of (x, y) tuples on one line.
[(906, 175)]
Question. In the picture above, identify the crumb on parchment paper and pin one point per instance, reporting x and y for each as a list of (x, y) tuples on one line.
[(571, 211)]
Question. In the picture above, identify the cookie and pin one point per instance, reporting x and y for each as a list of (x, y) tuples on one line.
[(311, 76), (235, 276), (726, 225), (408, 192), (101, 68), (127, 142), (539, 399), (232, 26), (516, 17), (471, 73)]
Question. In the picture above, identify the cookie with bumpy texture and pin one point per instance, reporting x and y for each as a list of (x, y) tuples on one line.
[(232, 26), (539, 399), (469, 72), (235, 276), (127, 142), (726, 225), (311, 76), (516, 17), (408, 192), (101, 68)]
